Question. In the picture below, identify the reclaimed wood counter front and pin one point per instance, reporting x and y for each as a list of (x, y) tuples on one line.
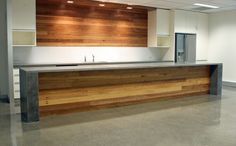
[(53, 92)]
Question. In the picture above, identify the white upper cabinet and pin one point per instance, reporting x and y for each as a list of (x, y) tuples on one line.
[(24, 23), (159, 28), (23, 14), (152, 28), (163, 22)]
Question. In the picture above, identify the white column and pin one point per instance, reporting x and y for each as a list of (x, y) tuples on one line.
[(6, 50)]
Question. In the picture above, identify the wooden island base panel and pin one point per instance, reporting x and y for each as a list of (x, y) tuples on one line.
[(73, 91)]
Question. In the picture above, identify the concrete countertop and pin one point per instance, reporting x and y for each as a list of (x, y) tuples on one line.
[(19, 65), (86, 67)]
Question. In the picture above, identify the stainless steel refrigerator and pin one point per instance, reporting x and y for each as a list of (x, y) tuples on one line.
[(185, 47)]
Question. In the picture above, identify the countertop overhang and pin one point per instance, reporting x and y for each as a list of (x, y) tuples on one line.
[(113, 66)]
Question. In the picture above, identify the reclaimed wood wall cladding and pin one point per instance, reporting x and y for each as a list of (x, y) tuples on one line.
[(84, 23), (67, 92)]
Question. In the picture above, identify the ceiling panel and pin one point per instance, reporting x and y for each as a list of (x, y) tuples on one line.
[(182, 4)]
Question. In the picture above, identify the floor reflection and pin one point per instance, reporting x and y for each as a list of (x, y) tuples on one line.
[(212, 113), (197, 121), (5, 124)]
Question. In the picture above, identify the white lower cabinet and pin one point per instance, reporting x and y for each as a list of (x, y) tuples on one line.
[(16, 80)]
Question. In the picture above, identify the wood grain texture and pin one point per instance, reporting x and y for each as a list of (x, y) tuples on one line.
[(63, 80), (84, 23), (75, 91)]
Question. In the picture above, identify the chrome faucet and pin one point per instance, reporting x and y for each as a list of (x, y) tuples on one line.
[(93, 58), (85, 59)]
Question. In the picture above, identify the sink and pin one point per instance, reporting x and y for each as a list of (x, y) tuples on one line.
[(64, 65), (85, 63), (93, 63)]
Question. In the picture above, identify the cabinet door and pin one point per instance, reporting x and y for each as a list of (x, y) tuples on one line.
[(152, 28), (190, 46), (23, 14), (163, 22)]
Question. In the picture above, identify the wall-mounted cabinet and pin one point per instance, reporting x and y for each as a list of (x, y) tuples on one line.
[(23, 14), (24, 22), (159, 28), (163, 22)]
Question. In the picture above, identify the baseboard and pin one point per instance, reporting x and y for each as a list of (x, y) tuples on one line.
[(229, 84), (4, 98)]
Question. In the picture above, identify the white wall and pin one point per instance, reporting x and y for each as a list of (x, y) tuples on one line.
[(47, 55), (222, 42), (194, 22)]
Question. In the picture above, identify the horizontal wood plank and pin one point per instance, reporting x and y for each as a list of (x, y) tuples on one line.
[(75, 91), (84, 23), (63, 80), (85, 106)]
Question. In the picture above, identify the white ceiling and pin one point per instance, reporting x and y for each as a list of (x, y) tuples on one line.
[(182, 4)]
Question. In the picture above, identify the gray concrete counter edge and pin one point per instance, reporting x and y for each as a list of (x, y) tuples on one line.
[(116, 66)]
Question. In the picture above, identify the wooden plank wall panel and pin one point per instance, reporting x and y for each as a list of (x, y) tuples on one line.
[(63, 80), (84, 23), (142, 86)]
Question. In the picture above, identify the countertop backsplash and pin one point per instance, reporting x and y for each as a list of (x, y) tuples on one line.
[(66, 55)]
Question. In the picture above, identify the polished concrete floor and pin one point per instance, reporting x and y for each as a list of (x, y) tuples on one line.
[(189, 121)]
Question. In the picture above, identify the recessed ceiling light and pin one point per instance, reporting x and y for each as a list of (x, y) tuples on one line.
[(70, 1), (205, 5), (129, 8), (101, 5)]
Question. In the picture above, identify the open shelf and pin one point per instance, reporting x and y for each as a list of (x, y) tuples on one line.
[(24, 38), (163, 47), (163, 41)]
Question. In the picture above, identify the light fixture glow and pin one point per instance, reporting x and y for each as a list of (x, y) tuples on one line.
[(70, 1), (205, 5), (101, 5), (129, 8)]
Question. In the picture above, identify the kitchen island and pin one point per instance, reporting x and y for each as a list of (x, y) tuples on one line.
[(59, 90)]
